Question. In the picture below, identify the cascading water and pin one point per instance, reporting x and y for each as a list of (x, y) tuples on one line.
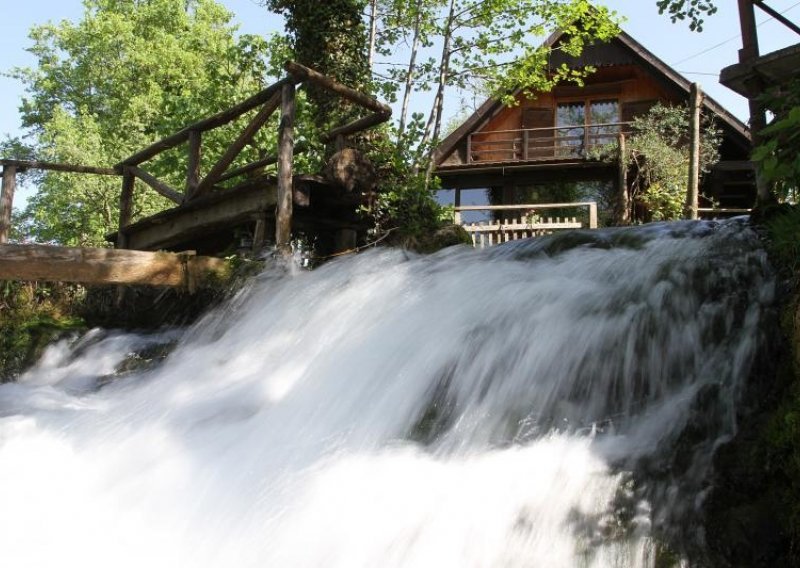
[(554, 403)]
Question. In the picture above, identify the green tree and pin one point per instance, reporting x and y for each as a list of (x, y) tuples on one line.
[(130, 72), (658, 157), (330, 37)]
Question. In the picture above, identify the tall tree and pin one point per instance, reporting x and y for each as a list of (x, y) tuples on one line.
[(129, 73), (330, 37)]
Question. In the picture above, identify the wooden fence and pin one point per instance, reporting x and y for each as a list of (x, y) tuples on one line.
[(513, 222)]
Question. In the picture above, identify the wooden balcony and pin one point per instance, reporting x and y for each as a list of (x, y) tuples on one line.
[(561, 143), (524, 221)]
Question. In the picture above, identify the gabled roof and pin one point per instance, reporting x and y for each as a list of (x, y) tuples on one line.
[(489, 108)]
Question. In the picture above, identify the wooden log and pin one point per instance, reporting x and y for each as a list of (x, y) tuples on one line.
[(193, 166), (356, 126), (125, 209), (157, 185), (283, 211), (693, 188), (206, 124), (267, 160), (238, 145), (53, 166), (107, 266), (7, 200), (302, 73)]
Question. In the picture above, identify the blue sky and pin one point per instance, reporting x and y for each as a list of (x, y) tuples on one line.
[(699, 56)]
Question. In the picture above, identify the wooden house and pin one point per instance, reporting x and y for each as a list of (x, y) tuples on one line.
[(539, 151)]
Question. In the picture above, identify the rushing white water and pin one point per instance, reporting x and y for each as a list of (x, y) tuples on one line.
[(526, 406)]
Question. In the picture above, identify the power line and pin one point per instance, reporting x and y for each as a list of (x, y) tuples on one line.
[(730, 39)]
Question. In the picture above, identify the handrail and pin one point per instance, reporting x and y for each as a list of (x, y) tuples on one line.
[(605, 124)]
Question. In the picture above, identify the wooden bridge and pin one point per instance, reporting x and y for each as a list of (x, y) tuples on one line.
[(206, 213)]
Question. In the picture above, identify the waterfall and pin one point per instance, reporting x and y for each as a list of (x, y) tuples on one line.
[(553, 402)]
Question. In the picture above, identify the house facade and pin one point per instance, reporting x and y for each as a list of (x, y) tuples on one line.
[(540, 151)]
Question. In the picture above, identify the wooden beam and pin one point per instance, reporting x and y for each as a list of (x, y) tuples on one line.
[(302, 73), (193, 166), (238, 145), (7, 200), (38, 165), (356, 126), (267, 160), (693, 183), (158, 185), (283, 211), (107, 266), (201, 217), (125, 208), (206, 124)]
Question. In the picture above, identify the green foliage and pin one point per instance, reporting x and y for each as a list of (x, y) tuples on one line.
[(31, 316), (127, 74), (778, 153), (658, 157), (331, 38), (783, 238), (692, 10), (404, 203)]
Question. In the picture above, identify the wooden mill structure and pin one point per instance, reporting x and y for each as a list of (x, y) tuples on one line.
[(204, 210)]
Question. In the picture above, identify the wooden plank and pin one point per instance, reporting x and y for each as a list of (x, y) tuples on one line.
[(302, 73), (494, 228), (125, 209), (206, 124), (283, 212), (7, 200), (193, 165), (106, 266), (238, 145), (623, 193), (53, 166), (157, 185)]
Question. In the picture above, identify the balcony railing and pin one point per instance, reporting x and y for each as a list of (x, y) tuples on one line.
[(514, 222), (541, 144)]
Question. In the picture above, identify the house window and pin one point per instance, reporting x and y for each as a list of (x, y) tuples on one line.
[(585, 124)]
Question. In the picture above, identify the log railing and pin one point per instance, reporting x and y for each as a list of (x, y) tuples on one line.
[(539, 144), (277, 97), (513, 222)]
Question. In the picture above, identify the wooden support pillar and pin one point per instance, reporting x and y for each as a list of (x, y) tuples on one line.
[(693, 188), (592, 215), (125, 207), (624, 213), (758, 117), (283, 213), (7, 201), (193, 167), (457, 204)]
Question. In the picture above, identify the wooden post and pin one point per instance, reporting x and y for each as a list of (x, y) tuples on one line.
[(469, 148), (758, 118), (7, 201), (283, 213), (193, 167), (125, 207), (592, 215), (457, 204), (624, 213), (526, 139), (693, 190)]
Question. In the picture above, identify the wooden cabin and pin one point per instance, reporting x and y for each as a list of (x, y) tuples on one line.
[(540, 150)]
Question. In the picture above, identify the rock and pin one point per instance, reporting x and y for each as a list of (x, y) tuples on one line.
[(351, 170)]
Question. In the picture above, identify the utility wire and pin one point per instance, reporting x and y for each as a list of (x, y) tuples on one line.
[(730, 39)]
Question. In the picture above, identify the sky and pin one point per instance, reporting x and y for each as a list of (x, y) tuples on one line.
[(699, 56)]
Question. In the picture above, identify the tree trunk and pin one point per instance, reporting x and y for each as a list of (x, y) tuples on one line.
[(412, 67)]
